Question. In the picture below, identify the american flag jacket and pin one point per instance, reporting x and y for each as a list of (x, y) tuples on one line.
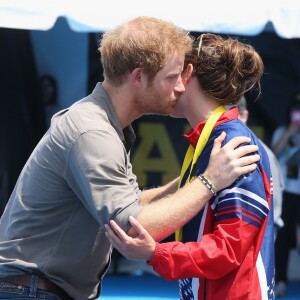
[(227, 250)]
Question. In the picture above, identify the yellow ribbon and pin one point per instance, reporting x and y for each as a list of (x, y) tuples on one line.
[(192, 154)]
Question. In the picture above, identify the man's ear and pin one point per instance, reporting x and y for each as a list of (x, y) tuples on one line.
[(187, 73), (136, 76)]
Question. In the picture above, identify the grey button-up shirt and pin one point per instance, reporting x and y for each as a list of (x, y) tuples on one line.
[(76, 180)]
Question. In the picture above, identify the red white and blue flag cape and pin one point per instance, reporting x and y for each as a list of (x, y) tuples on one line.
[(227, 250)]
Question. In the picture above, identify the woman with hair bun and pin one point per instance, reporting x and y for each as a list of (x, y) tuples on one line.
[(227, 250)]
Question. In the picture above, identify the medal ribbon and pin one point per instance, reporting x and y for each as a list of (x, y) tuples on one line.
[(193, 154)]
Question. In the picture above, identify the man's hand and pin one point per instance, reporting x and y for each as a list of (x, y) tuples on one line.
[(140, 247), (228, 163)]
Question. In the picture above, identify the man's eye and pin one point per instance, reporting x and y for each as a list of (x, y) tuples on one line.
[(174, 76)]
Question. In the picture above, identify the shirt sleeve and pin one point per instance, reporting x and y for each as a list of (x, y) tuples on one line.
[(100, 174), (239, 216)]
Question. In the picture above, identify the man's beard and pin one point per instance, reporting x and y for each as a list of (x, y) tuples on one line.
[(154, 103)]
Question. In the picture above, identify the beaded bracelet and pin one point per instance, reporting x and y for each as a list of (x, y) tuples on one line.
[(207, 183)]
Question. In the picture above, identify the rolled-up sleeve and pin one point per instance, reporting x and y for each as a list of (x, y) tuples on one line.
[(100, 174)]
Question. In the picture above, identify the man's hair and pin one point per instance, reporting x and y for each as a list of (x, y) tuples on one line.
[(142, 42)]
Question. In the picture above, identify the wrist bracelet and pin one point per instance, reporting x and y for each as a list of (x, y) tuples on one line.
[(207, 183)]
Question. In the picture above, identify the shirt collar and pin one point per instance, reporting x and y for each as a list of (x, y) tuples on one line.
[(127, 135), (193, 135)]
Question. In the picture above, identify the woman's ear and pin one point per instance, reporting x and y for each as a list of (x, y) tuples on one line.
[(187, 73)]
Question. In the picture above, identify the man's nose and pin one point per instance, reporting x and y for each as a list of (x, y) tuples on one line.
[(179, 88)]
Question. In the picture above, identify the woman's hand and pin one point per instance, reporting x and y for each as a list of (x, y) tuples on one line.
[(141, 247)]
